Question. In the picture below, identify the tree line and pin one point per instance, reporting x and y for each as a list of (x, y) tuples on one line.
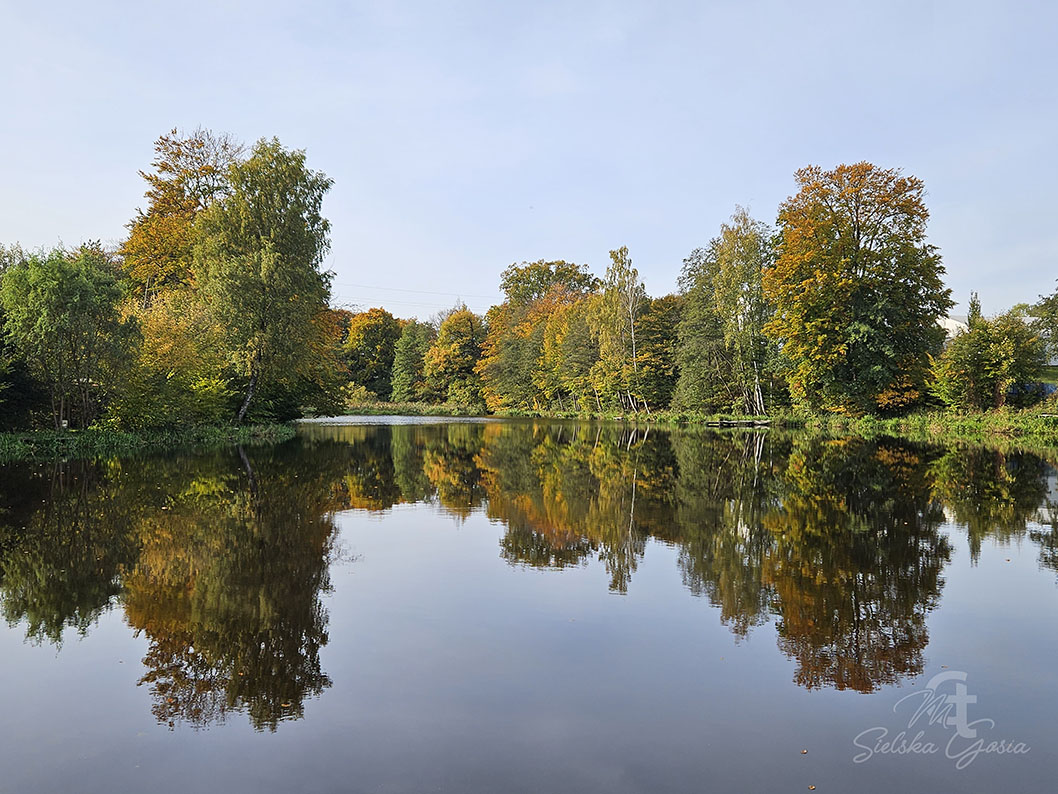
[(835, 308), (216, 308)]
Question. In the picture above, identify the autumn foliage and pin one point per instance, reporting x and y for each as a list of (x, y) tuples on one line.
[(215, 308), (856, 290)]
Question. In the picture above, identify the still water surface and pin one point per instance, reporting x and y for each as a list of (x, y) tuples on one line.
[(410, 606)]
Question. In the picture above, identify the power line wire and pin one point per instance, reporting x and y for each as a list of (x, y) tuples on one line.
[(420, 291), (409, 303)]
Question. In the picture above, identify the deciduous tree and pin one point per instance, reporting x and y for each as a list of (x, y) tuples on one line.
[(856, 289), (61, 312), (570, 350), (614, 316), (369, 348), (981, 365), (189, 173), (258, 252), (727, 362), (409, 354), (449, 364), (513, 349), (702, 357)]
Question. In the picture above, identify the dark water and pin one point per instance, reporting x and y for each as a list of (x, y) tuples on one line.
[(530, 607)]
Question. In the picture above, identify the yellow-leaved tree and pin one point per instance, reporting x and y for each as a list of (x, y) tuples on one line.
[(856, 289)]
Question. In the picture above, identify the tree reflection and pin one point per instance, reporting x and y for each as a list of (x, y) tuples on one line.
[(725, 488), (856, 562), (450, 464), (839, 542), (228, 584), (63, 545), (992, 493), (221, 560), (567, 493)]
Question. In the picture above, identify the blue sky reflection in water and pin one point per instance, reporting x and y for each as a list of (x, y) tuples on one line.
[(488, 606)]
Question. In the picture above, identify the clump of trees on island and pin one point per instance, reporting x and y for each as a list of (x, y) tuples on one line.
[(216, 309)]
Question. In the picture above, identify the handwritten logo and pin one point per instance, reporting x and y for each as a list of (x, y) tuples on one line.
[(939, 716)]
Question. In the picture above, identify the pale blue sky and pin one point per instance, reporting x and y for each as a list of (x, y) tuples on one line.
[(465, 136)]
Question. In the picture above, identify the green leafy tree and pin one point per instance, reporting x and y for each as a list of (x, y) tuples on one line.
[(570, 350), (702, 356), (257, 258), (973, 315), (409, 356), (614, 314), (530, 281), (20, 392), (61, 313), (728, 362), (1045, 321), (369, 349), (980, 366), (656, 351), (510, 365), (856, 289), (179, 377), (745, 250), (449, 364)]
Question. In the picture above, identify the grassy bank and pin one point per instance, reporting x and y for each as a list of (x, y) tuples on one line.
[(660, 418), (1036, 427), (1031, 427), (413, 409), (642, 418), (654, 417), (101, 443)]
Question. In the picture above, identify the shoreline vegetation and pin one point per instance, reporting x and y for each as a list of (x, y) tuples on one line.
[(38, 444), (1024, 429), (1038, 428), (832, 320)]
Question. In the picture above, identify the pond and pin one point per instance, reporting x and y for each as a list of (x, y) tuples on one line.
[(394, 605)]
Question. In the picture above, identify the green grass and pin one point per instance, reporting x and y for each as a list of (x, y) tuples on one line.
[(1034, 427), (652, 418), (413, 409), (104, 443)]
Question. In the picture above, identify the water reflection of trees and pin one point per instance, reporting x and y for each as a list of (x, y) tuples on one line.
[(855, 562), (991, 493), (838, 542), (63, 545), (227, 587), (220, 560)]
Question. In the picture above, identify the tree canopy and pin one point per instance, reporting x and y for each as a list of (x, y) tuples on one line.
[(369, 349), (856, 289), (258, 252), (190, 172), (982, 365), (61, 311), (216, 308)]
